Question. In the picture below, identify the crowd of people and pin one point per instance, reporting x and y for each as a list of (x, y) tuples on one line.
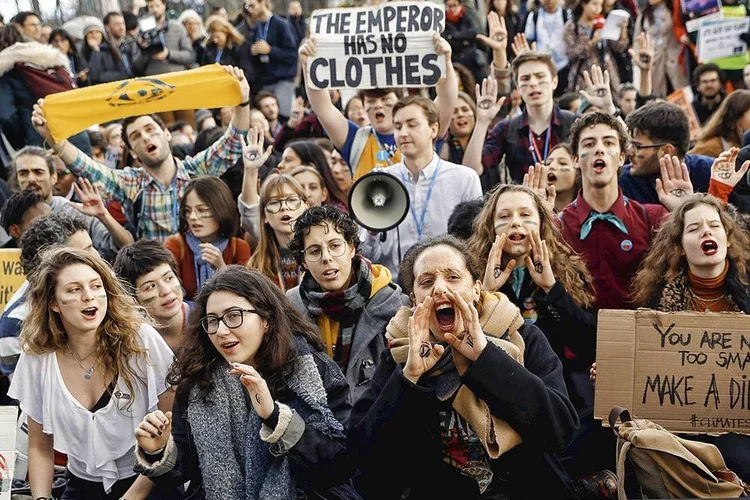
[(203, 317)]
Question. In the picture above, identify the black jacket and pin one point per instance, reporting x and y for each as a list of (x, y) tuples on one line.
[(395, 434), (318, 462), (230, 56), (104, 66)]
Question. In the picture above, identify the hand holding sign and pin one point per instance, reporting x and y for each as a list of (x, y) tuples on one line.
[(442, 47), (723, 170), (307, 49)]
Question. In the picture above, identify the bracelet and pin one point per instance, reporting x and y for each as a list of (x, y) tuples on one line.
[(243, 104)]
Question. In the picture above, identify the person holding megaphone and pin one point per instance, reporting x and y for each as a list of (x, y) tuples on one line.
[(434, 186)]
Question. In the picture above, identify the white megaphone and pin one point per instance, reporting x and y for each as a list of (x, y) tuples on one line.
[(378, 201)]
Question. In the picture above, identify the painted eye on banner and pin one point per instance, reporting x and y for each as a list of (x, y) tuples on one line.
[(139, 91)]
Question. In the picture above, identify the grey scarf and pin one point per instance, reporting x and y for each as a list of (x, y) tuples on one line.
[(235, 463)]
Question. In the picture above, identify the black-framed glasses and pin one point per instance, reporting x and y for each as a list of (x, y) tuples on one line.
[(336, 248), (635, 146), (292, 203), (232, 319)]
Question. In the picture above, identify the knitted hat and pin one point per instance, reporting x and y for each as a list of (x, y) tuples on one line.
[(200, 115), (91, 26)]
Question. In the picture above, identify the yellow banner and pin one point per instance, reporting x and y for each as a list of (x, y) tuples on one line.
[(11, 275), (75, 110)]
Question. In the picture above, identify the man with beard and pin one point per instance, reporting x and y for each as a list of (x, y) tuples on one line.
[(658, 129), (34, 170), (365, 148), (709, 81), (151, 194)]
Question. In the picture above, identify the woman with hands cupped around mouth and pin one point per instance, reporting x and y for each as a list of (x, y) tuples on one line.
[(260, 410), (465, 389)]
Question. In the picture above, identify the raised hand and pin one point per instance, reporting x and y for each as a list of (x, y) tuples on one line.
[(521, 45), (538, 263), (592, 373), (153, 432), (644, 56), (422, 353), (39, 121), (723, 170), (307, 49), (298, 112), (488, 105), (472, 341), (674, 184), (260, 395), (253, 156), (239, 75), (536, 180), (212, 255), (442, 47), (598, 92), (498, 39), (91, 201), (494, 274)]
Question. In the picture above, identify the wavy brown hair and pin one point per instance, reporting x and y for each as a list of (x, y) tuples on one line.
[(266, 258), (665, 260), (43, 331), (725, 122), (567, 265), (276, 354)]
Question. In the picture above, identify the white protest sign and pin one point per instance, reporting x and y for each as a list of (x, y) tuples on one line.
[(388, 45), (613, 27), (721, 38)]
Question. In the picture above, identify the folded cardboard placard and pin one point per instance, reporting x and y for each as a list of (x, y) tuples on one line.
[(689, 372)]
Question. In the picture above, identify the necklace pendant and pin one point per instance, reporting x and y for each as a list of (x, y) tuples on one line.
[(89, 373)]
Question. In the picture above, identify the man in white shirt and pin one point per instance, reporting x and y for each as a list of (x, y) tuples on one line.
[(435, 186)]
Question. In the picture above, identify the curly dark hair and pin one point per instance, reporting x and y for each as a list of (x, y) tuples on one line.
[(406, 269), (52, 229), (276, 354), (319, 216), (16, 207), (592, 119)]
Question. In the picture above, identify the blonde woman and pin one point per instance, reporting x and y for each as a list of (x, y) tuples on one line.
[(222, 43), (90, 370)]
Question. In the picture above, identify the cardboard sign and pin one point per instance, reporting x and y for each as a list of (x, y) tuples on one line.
[(388, 45), (11, 274), (684, 99), (721, 38), (697, 11), (8, 417), (685, 371)]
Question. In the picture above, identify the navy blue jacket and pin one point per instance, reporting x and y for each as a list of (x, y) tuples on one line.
[(282, 63), (642, 188)]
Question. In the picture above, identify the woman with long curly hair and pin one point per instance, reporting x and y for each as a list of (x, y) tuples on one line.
[(261, 410), (725, 127), (90, 370), (700, 261)]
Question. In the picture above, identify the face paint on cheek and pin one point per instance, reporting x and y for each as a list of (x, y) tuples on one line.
[(530, 223), (148, 301), (499, 225), (69, 301)]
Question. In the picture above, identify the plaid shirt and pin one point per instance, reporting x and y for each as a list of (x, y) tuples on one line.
[(158, 216), (510, 139)]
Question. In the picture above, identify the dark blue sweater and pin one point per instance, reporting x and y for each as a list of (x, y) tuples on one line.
[(642, 188), (282, 63)]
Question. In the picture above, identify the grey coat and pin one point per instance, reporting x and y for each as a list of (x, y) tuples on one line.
[(368, 341), (180, 54)]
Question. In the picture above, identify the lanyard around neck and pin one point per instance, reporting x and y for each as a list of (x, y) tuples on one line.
[(419, 221), (534, 149)]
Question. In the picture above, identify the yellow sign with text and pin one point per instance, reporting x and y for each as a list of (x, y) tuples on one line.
[(12, 276)]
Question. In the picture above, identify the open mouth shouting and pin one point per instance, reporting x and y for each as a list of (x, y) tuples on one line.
[(379, 116), (150, 148), (287, 219), (90, 312), (535, 94), (516, 238), (599, 166), (710, 247), (445, 315), (551, 178), (331, 273)]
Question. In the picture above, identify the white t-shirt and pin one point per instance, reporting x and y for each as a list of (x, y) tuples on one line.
[(99, 445)]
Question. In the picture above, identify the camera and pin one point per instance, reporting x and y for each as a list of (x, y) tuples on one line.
[(152, 38)]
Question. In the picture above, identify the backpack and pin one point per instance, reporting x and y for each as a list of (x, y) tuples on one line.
[(44, 81), (668, 466), (535, 19)]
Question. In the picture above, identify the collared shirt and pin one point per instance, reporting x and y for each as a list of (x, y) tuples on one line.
[(452, 185), (510, 138), (158, 217), (611, 256)]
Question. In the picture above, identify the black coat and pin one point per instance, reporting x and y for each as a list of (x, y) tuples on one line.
[(104, 66), (229, 57), (318, 462), (395, 430)]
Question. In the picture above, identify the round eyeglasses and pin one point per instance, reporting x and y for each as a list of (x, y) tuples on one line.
[(292, 203), (336, 248), (232, 319)]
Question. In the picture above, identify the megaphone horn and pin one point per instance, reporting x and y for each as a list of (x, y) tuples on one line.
[(378, 201)]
